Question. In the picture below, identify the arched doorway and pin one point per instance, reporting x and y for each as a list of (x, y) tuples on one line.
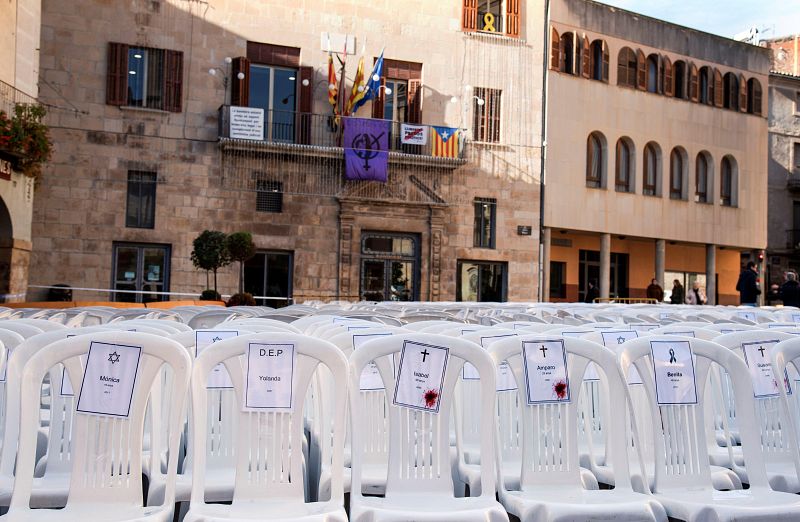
[(6, 246)]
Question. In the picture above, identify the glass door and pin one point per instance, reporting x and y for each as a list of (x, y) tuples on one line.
[(389, 267), (142, 268), (268, 277)]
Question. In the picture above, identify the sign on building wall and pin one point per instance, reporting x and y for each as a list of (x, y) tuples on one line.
[(246, 123)]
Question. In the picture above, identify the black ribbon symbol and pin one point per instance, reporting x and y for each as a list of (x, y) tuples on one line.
[(672, 358)]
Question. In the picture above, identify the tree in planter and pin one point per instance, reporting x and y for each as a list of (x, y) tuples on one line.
[(210, 252), (241, 248)]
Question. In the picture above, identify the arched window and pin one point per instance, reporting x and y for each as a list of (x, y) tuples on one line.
[(599, 56), (625, 166), (653, 63), (730, 87), (568, 53), (702, 180), (679, 79), (706, 94), (728, 182), (753, 96), (677, 173), (651, 170), (626, 67), (595, 160)]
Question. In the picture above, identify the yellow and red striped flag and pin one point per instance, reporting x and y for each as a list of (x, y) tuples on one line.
[(333, 89), (444, 142)]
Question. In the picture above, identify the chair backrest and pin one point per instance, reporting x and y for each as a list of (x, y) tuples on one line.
[(681, 453), (419, 455), (268, 441), (262, 321), (686, 331), (43, 324), (106, 450), (25, 330), (549, 429), (754, 348)]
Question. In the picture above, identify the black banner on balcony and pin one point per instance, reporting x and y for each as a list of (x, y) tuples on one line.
[(366, 149)]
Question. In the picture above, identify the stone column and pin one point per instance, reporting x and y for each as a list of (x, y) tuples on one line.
[(546, 264), (711, 274), (661, 256), (605, 265)]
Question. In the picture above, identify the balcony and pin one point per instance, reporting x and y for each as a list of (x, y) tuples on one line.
[(304, 153), (24, 141)]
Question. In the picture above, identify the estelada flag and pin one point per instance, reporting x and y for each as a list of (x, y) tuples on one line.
[(444, 142)]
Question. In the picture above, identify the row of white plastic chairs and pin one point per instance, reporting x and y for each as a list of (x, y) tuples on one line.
[(400, 491)]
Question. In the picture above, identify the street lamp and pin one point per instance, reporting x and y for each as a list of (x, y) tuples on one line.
[(225, 75)]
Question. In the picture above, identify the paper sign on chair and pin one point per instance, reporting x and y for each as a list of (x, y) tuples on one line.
[(269, 378), (420, 376), (109, 379)]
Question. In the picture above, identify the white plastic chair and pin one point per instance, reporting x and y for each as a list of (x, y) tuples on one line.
[(419, 484), (682, 475), (269, 482), (105, 481), (550, 484)]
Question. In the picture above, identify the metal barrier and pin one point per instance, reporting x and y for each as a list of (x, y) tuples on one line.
[(626, 300), (194, 295)]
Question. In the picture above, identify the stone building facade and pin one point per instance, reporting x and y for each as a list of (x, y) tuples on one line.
[(147, 161), (783, 251), (19, 71), (660, 132)]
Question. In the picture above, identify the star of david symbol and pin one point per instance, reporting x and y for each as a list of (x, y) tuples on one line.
[(620, 340), (113, 358)]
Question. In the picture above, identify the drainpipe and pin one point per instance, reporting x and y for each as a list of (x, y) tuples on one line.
[(543, 150)]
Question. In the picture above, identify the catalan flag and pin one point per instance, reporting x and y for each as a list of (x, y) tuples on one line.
[(371, 87), (358, 88), (333, 89), (444, 142)]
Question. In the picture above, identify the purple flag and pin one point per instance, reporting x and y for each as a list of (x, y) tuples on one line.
[(366, 149)]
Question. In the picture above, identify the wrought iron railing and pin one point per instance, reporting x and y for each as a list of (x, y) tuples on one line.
[(10, 96), (322, 130)]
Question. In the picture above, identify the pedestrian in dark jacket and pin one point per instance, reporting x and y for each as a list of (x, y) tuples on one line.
[(789, 292), (654, 291), (747, 286), (678, 293), (593, 292)]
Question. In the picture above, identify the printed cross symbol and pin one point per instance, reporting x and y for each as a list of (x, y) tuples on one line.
[(113, 358), (620, 340), (425, 353), (761, 349), (544, 351)]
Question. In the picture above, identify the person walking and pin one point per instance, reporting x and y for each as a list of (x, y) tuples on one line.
[(789, 291), (678, 293), (696, 295), (747, 285), (654, 291), (592, 293)]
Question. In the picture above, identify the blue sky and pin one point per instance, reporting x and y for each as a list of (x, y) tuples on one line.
[(722, 17)]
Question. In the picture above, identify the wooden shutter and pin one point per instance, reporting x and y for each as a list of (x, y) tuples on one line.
[(586, 58), (756, 101), (469, 16), (414, 101), (669, 85), (605, 61), (693, 83), (173, 81), (709, 85), (742, 93), (718, 88), (641, 70), (555, 50), (304, 104), (379, 100), (240, 89), (117, 74), (660, 76), (512, 18)]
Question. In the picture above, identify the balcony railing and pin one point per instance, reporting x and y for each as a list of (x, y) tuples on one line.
[(317, 130), (10, 96)]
